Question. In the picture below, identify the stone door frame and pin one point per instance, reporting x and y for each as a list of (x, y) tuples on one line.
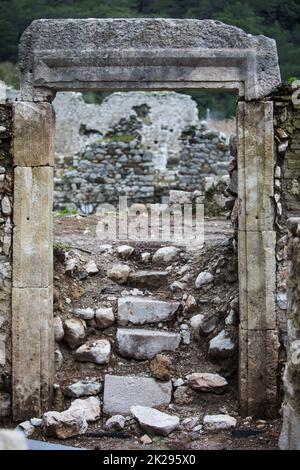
[(123, 55)]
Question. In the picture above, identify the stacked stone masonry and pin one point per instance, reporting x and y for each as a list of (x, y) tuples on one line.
[(6, 208), (120, 164)]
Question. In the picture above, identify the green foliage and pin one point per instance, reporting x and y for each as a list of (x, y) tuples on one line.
[(9, 73), (64, 212)]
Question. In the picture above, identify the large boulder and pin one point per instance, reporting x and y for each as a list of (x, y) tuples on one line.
[(63, 425)]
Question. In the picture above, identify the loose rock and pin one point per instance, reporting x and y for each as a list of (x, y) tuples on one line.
[(84, 313), (119, 273), (104, 317), (165, 255), (74, 332), (82, 388), (206, 382), (91, 267), (89, 407), (58, 329), (161, 367), (218, 422), (125, 251), (222, 346), (203, 278), (63, 425), (115, 423), (150, 279), (97, 352), (153, 420)]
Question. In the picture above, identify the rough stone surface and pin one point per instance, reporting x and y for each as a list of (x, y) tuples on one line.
[(58, 329), (145, 344), (165, 255), (82, 388), (140, 310), (161, 367), (155, 421), (64, 38), (84, 313), (206, 382), (125, 251), (75, 330), (89, 407), (95, 351), (115, 423), (148, 279), (218, 422), (123, 392), (222, 346), (104, 317), (203, 279), (119, 273), (63, 425)]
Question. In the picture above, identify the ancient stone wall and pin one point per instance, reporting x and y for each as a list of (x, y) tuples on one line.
[(120, 164), (6, 205)]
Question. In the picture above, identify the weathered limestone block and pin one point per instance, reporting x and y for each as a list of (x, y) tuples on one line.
[(140, 310), (257, 279), (256, 165), (290, 433), (32, 350), (33, 232), (258, 363), (145, 344), (131, 42), (122, 392), (33, 143)]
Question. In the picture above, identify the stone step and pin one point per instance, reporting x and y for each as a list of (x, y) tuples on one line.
[(141, 310), (145, 344), (123, 392), (149, 279)]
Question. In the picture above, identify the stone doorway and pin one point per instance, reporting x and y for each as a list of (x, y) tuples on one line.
[(58, 55)]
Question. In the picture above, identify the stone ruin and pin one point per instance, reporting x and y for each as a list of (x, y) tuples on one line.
[(265, 211)]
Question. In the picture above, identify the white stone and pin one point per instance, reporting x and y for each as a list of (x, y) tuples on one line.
[(140, 310), (75, 329), (36, 422), (6, 205), (82, 388), (203, 278), (155, 421), (165, 255), (186, 337), (58, 329), (218, 422), (97, 352), (2, 349), (221, 346), (58, 359), (123, 392), (63, 425), (146, 439), (203, 324), (115, 423), (84, 313), (119, 273), (71, 264), (125, 251), (178, 383), (106, 248), (90, 407), (145, 344), (104, 317), (91, 267), (145, 257), (26, 427), (281, 299)]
